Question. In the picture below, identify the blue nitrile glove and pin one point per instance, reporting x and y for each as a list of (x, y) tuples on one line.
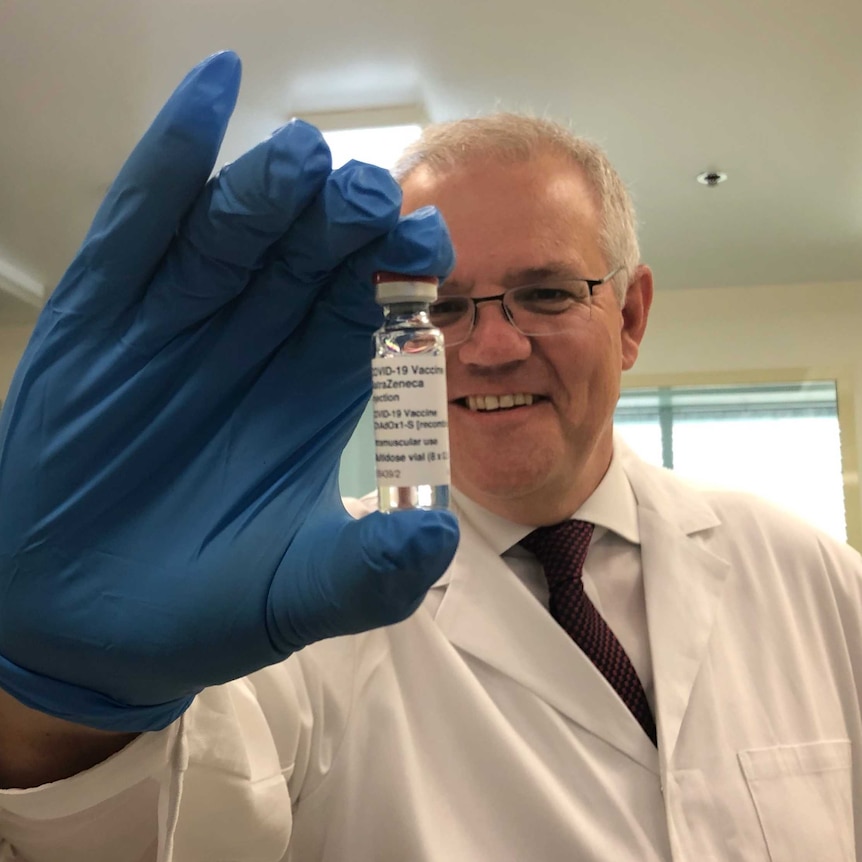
[(169, 507)]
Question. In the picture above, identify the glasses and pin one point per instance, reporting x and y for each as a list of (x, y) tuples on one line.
[(546, 308)]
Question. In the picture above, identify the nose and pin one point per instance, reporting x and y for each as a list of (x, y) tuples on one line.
[(494, 340)]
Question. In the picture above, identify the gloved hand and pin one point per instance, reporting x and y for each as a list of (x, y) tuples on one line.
[(169, 507)]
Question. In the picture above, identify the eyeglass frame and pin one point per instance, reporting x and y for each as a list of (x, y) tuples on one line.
[(591, 283)]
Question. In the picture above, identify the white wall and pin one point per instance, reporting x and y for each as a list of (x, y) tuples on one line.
[(13, 340)]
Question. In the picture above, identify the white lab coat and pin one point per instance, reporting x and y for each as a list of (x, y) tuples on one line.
[(476, 730)]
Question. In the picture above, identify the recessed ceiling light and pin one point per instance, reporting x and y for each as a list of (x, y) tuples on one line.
[(375, 135), (711, 178), (381, 145)]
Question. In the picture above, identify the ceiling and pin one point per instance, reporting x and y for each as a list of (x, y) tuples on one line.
[(765, 90)]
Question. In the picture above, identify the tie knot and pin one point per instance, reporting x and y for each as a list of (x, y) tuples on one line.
[(561, 549)]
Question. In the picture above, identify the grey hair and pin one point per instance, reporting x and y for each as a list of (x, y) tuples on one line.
[(516, 138)]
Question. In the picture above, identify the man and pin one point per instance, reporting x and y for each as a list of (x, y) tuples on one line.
[(478, 727)]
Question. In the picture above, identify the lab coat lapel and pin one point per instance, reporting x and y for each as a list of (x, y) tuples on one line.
[(487, 612), (683, 585)]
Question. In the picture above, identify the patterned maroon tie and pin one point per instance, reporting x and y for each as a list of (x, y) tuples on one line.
[(562, 549)]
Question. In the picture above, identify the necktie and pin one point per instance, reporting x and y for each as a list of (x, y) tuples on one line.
[(562, 549)]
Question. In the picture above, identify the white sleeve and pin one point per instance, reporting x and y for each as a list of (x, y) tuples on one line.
[(110, 811), (215, 785)]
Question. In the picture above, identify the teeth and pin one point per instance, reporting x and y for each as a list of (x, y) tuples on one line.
[(499, 402)]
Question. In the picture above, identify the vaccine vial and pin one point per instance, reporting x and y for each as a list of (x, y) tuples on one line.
[(408, 394)]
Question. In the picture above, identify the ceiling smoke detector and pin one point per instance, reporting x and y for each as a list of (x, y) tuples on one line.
[(711, 178)]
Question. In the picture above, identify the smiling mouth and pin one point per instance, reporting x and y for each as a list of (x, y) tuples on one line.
[(491, 403)]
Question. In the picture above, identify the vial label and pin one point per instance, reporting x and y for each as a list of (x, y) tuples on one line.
[(411, 427)]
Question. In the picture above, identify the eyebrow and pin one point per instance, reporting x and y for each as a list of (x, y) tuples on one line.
[(517, 277)]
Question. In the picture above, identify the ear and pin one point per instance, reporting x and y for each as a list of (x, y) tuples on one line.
[(635, 313)]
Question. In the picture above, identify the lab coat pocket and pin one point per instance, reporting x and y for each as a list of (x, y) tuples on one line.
[(802, 794)]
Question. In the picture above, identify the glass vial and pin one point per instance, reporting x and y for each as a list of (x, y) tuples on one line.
[(411, 427)]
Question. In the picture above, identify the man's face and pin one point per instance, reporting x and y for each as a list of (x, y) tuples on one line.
[(512, 224)]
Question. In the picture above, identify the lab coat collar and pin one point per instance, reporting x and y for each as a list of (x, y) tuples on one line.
[(683, 585), (487, 612)]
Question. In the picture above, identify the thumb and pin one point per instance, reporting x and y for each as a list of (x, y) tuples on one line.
[(361, 575)]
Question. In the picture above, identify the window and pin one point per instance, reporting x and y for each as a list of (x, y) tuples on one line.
[(781, 441)]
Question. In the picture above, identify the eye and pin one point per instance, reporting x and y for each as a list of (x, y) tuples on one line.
[(448, 310), (550, 298)]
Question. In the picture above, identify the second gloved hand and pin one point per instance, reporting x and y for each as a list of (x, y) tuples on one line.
[(169, 509)]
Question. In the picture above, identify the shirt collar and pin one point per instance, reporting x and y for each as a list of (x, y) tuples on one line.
[(611, 507)]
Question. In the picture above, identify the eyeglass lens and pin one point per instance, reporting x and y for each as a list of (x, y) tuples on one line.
[(532, 309)]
